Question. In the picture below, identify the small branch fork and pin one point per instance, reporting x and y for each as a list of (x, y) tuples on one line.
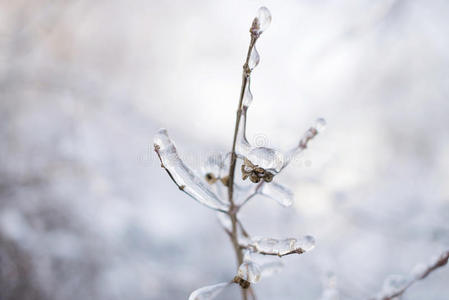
[(442, 261)]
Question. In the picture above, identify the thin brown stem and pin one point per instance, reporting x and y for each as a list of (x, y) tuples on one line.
[(233, 209)]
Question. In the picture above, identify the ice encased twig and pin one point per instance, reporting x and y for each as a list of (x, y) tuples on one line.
[(281, 247), (182, 175)]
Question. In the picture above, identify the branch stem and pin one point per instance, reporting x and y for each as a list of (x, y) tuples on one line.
[(233, 209)]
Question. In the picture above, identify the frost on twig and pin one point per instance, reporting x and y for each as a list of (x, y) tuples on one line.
[(182, 176), (396, 285)]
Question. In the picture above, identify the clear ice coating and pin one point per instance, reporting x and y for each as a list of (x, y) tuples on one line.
[(392, 285), (214, 164), (254, 58), (249, 271), (182, 175), (225, 221), (208, 292), (283, 246), (247, 95), (278, 193), (263, 19), (266, 158)]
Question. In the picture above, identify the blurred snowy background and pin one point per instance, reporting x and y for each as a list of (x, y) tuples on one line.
[(86, 212)]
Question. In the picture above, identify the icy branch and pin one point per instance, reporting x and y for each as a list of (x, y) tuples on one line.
[(395, 287), (182, 176), (271, 246)]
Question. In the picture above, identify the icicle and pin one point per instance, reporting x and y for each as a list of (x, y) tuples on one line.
[(254, 58), (278, 192), (243, 147), (182, 175), (208, 292)]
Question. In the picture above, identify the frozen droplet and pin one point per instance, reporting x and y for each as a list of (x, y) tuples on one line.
[(249, 271), (184, 177), (263, 18), (247, 95), (306, 243), (266, 158), (208, 292), (254, 58), (320, 124), (278, 193)]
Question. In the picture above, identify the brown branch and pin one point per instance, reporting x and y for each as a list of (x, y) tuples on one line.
[(233, 209)]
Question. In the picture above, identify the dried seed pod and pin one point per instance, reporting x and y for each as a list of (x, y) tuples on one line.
[(210, 178), (268, 177), (254, 177)]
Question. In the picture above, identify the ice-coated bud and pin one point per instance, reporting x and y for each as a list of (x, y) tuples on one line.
[(249, 271), (263, 19), (320, 124)]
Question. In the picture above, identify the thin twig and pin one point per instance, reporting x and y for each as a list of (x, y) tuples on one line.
[(442, 261), (255, 249), (232, 209), (256, 191)]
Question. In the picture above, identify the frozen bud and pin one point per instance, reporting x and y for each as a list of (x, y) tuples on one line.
[(262, 20), (320, 124)]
